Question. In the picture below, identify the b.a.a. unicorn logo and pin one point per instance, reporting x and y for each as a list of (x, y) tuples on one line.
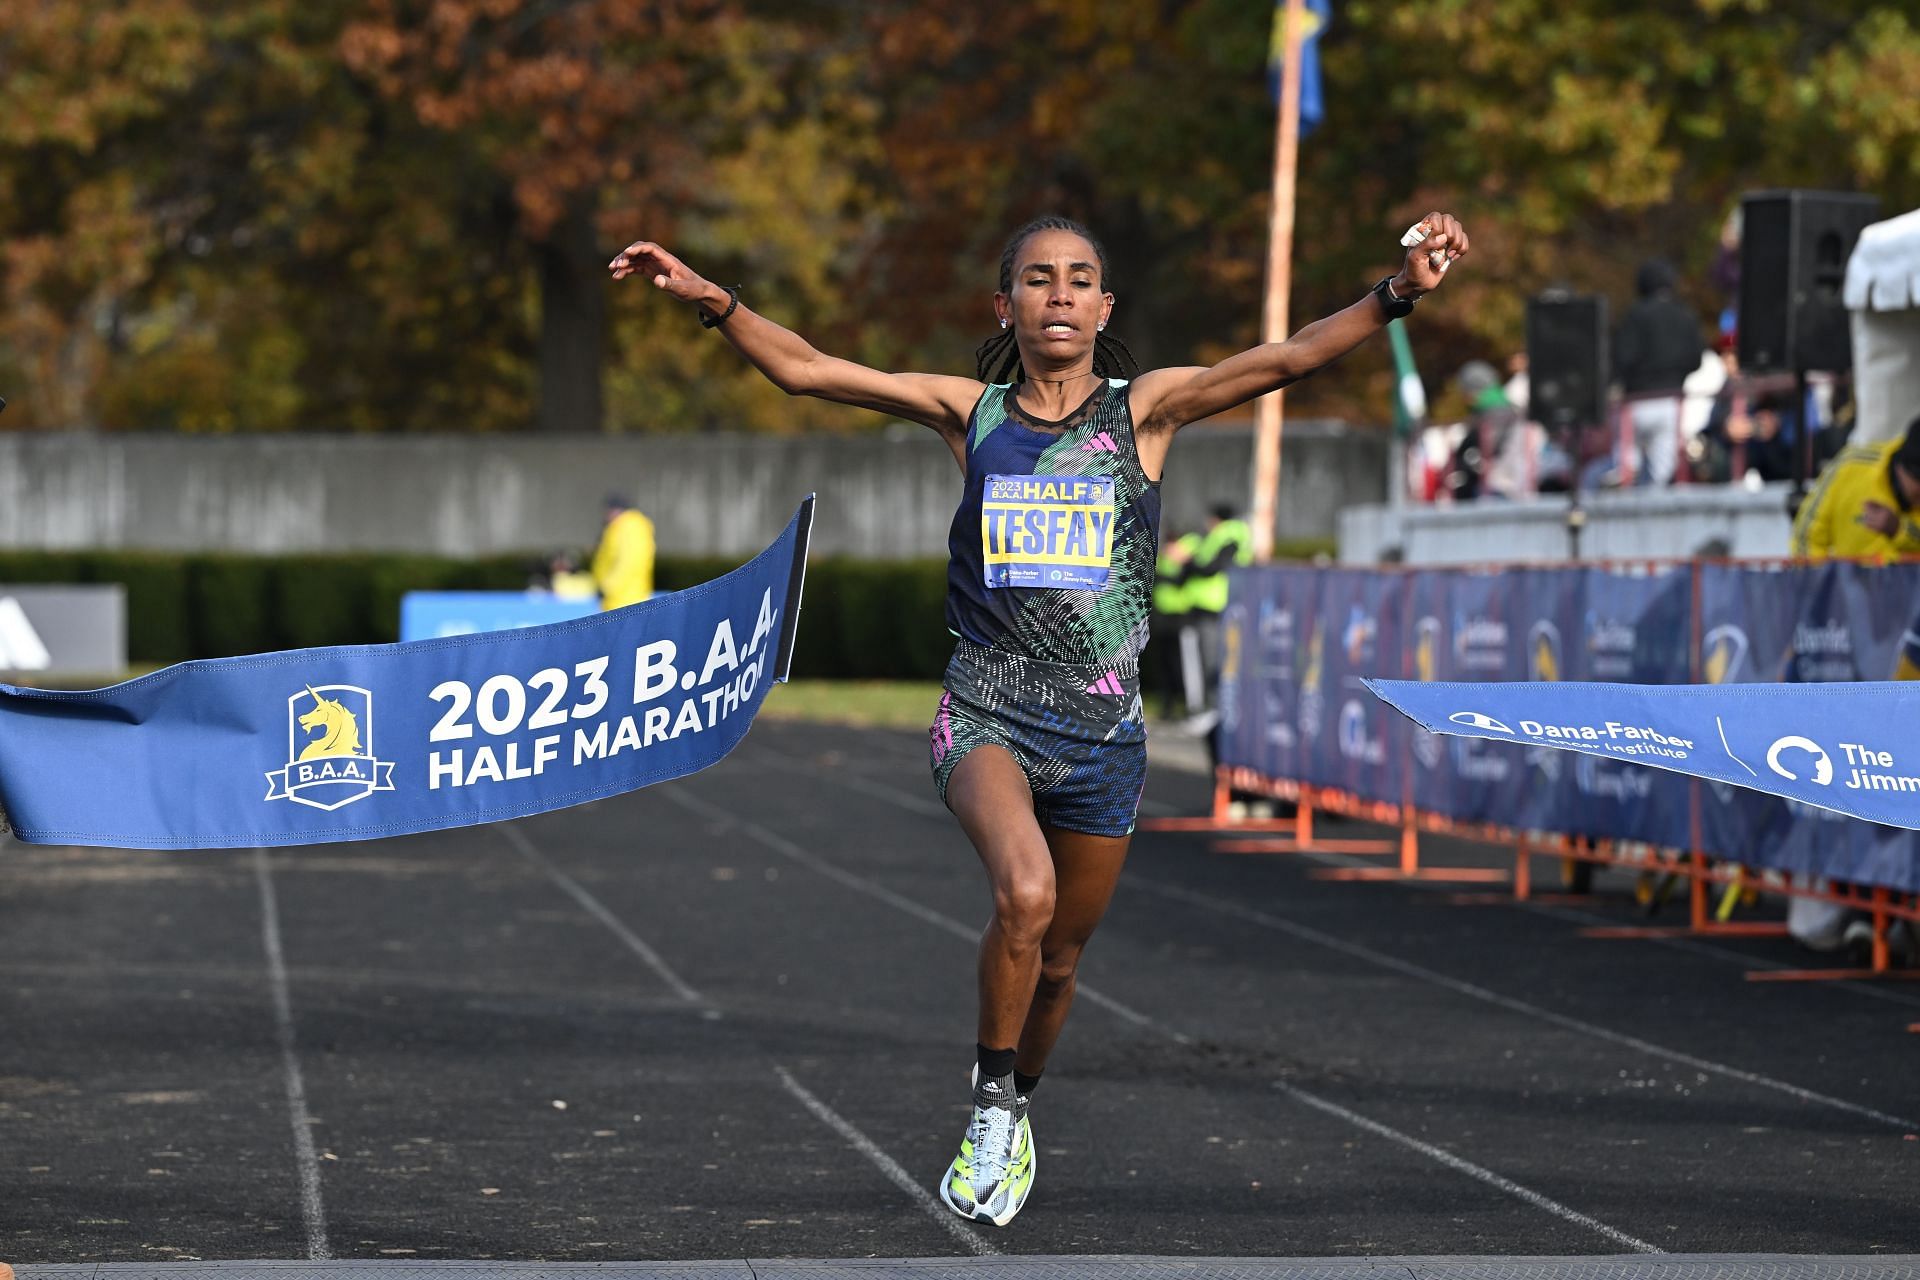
[(330, 760), (1723, 654)]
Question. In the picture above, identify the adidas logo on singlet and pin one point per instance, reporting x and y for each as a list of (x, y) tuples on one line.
[(1102, 443)]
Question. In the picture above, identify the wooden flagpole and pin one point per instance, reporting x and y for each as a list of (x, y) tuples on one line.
[(1268, 413)]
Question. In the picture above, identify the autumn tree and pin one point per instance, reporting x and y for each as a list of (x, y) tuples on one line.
[(575, 109), (395, 214), (1574, 138)]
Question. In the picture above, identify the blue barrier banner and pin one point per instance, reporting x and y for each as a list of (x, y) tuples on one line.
[(1360, 630), (1627, 627), (363, 741), (429, 615), (1267, 636), (1842, 747), (1806, 624)]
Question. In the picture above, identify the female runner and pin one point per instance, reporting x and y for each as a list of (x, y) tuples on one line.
[(1039, 742)]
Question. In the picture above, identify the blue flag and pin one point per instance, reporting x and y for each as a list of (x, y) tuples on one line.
[(1313, 107), (363, 741), (1847, 747)]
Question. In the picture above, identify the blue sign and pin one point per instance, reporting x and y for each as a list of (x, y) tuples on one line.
[(363, 741), (1298, 641), (430, 615), (1841, 747)]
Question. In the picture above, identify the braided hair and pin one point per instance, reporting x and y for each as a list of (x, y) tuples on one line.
[(998, 358)]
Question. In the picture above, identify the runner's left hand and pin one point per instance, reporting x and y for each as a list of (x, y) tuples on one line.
[(1428, 260)]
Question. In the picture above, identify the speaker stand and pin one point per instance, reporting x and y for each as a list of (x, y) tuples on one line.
[(1802, 446)]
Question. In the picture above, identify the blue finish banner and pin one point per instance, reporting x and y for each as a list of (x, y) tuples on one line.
[(1841, 747), (364, 741)]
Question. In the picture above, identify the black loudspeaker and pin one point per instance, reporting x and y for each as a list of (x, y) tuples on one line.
[(1794, 247), (1567, 362)]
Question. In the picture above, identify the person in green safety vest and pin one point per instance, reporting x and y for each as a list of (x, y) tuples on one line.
[(1171, 632), (1228, 541)]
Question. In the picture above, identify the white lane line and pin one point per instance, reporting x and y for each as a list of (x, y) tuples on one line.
[(858, 1140), (854, 782), (312, 1212), (1574, 915), (1406, 968), (1451, 1161), (1467, 1167), (903, 799), (967, 1236), (860, 884), (593, 906)]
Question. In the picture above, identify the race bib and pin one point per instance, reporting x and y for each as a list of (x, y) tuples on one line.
[(1047, 531)]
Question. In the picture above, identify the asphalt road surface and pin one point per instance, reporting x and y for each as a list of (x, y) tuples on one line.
[(731, 1017)]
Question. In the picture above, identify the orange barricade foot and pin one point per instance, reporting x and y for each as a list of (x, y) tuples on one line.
[(1730, 929), (1441, 875), (1286, 844), (1833, 975), (1216, 824)]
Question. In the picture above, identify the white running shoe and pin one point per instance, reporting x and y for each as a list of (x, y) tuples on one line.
[(990, 1178)]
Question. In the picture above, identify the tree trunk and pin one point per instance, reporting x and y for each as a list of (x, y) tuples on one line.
[(573, 323)]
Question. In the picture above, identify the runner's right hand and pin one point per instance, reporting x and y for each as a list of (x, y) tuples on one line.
[(669, 274)]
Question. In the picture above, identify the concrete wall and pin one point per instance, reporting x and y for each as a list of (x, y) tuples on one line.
[(883, 496), (1632, 524)]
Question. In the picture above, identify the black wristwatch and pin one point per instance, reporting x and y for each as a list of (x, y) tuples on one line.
[(1396, 306)]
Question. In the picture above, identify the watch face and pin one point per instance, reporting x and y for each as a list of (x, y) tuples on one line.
[(1396, 307)]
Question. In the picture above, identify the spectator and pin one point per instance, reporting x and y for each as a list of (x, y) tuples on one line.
[(1493, 457), (1746, 434), (1864, 506), (1226, 542), (1172, 630), (1518, 386), (1656, 347), (567, 580), (1865, 503), (623, 564)]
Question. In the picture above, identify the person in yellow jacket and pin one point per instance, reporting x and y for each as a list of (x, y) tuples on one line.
[(1227, 541), (1172, 627), (623, 563), (1866, 505)]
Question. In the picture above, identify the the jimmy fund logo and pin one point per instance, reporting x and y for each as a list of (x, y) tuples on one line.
[(330, 760)]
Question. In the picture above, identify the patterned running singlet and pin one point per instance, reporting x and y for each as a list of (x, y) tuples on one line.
[(1045, 515)]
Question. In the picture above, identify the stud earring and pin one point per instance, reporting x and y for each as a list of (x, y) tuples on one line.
[(1003, 324), (1101, 326)]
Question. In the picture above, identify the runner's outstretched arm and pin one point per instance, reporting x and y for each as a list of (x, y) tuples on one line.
[(1167, 399), (792, 363)]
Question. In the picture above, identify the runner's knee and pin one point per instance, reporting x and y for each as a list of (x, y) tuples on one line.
[(1057, 968), (1024, 907)]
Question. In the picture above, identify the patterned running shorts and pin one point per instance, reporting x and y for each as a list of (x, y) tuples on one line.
[(1078, 733)]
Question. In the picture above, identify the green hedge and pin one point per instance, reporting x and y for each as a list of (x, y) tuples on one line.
[(860, 619)]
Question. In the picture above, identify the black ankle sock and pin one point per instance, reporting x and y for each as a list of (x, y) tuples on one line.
[(1024, 1084), (995, 1064)]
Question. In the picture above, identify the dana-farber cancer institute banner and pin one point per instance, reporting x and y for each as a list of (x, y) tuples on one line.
[(1587, 675), (364, 741), (1840, 747)]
